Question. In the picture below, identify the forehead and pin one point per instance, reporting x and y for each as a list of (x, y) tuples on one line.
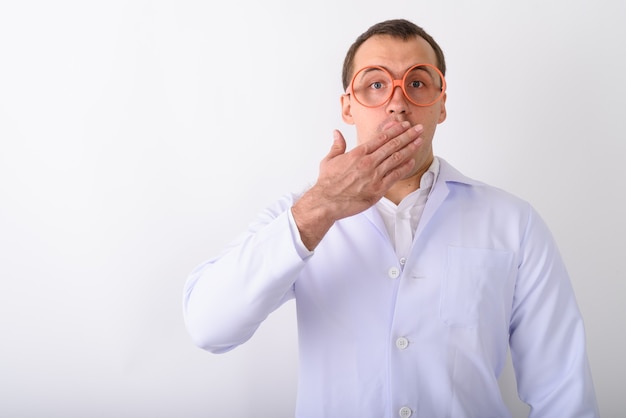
[(395, 54)]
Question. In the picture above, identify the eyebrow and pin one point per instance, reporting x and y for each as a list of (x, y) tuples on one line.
[(364, 71), (379, 67)]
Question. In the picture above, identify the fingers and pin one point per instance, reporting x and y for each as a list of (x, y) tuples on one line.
[(400, 163), (397, 143), (389, 122), (389, 155), (391, 130), (393, 136)]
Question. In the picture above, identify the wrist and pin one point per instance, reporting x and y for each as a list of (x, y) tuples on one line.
[(313, 218)]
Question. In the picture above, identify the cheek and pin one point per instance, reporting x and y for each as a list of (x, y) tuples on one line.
[(366, 128), (430, 120)]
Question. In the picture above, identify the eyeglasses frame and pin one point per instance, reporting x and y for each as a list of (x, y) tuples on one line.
[(398, 83)]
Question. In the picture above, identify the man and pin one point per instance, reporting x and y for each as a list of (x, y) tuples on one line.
[(410, 279)]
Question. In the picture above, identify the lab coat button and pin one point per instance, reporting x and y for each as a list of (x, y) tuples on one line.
[(405, 412), (402, 343), (394, 272), (403, 261)]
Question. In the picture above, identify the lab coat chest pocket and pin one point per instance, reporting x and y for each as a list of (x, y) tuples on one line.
[(474, 285)]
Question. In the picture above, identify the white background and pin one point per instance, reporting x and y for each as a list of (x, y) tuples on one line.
[(139, 137)]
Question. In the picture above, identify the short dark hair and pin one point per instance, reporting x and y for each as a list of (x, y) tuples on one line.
[(397, 28)]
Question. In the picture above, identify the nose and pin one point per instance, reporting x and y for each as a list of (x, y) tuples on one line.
[(397, 102)]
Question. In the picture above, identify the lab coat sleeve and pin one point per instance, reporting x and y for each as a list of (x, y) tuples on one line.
[(547, 335), (226, 298)]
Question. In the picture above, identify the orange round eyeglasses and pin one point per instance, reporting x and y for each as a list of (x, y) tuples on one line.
[(422, 85)]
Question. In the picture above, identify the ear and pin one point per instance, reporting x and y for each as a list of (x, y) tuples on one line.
[(442, 110), (346, 109)]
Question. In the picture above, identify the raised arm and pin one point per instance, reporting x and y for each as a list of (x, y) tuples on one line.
[(227, 297)]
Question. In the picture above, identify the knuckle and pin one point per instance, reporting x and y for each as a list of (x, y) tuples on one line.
[(364, 163), (395, 142), (383, 137), (396, 157)]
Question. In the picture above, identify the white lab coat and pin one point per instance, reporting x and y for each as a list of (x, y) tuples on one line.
[(425, 337)]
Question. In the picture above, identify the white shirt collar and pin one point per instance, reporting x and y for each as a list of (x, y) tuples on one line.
[(401, 220)]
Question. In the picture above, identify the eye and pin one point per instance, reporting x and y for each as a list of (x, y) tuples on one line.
[(376, 85), (416, 84)]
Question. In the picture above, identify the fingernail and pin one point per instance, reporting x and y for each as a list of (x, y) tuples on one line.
[(418, 128), (406, 124)]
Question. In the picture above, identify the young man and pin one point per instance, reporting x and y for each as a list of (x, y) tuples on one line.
[(411, 280)]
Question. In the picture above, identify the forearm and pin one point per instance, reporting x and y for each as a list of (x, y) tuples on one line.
[(227, 298)]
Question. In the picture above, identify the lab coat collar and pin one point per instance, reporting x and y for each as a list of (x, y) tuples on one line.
[(447, 175)]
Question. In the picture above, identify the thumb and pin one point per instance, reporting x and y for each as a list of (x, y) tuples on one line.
[(339, 145)]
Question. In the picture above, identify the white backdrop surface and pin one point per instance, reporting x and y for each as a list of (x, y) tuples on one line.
[(139, 137)]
